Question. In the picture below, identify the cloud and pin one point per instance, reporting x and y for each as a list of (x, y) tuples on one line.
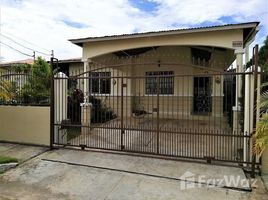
[(49, 24)]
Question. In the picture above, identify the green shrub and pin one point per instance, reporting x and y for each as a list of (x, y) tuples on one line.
[(100, 112)]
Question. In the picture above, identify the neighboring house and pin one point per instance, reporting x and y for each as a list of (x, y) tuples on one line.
[(7, 66), (71, 67), (12, 71)]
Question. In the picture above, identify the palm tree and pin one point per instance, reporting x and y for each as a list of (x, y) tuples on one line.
[(7, 90), (261, 135)]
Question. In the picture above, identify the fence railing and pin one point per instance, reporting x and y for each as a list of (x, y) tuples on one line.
[(155, 112), (23, 88)]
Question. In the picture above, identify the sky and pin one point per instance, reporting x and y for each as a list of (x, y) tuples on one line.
[(43, 25)]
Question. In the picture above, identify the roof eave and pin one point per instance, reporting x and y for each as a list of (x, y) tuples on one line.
[(251, 35), (80, 42)]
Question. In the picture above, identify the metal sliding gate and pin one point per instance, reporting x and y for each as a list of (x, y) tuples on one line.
[(154, 112)]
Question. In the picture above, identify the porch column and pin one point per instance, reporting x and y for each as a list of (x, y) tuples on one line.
[(237, 108), (85, 80), (85, 106), (248, 104)]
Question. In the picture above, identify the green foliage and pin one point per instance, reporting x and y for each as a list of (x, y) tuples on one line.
[(263, 56), (101, 113), (21, 68), (37, 88), (8, 91), (261, 135), (74, 108)]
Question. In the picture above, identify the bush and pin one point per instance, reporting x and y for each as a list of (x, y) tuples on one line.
[(37, 88), (100, 112), (74, 108)]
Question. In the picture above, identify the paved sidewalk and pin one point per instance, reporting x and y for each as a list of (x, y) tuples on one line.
[(21, 152), (69, 174), (176, 170)]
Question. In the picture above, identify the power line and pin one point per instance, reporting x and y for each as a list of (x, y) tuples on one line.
[(15, 49), (30, 43), (9, 38)]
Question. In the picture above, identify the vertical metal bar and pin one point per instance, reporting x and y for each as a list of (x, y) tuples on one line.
[(157, 121), (122, 113), (256, 52), (51, 105)]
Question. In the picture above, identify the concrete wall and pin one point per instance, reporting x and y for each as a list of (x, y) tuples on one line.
[(25, 124), (265, 161)]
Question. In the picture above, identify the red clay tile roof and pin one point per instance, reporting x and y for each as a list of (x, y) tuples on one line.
[(7, 64)]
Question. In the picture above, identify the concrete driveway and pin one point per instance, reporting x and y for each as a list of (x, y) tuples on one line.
[(71, 174), (187, 138)]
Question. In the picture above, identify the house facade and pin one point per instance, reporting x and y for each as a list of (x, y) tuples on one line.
[(16, 72), (177, 93), (178, 52)]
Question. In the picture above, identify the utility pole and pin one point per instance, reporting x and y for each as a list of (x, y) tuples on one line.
[(52, 103)]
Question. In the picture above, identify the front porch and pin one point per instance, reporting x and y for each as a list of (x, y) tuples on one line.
[(183, 138), (170, 93), (184, 83), (152, 103)]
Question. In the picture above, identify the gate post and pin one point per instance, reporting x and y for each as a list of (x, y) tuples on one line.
[(255, 54), (52, 104)]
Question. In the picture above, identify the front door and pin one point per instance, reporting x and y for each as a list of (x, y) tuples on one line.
[(202, 95)]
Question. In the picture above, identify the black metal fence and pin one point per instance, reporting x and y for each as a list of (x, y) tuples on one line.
[(23, 88), (155, 112)]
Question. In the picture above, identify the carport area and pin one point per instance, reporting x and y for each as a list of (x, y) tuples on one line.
[(177, 137), (72, 174)]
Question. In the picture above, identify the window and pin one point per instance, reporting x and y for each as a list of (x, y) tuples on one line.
[(200, 57), (166, 84), (100, 82)]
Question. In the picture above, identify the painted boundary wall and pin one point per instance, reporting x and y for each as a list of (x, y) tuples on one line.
[(25, 124)]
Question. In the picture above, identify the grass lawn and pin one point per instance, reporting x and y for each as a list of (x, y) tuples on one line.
[(5, 159)]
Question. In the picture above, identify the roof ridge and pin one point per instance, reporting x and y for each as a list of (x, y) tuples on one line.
[(166, 31)]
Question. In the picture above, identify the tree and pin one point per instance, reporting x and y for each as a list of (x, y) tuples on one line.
[(261, 134), (263, 56), (36, 89), (7, 91), (21, 68)]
